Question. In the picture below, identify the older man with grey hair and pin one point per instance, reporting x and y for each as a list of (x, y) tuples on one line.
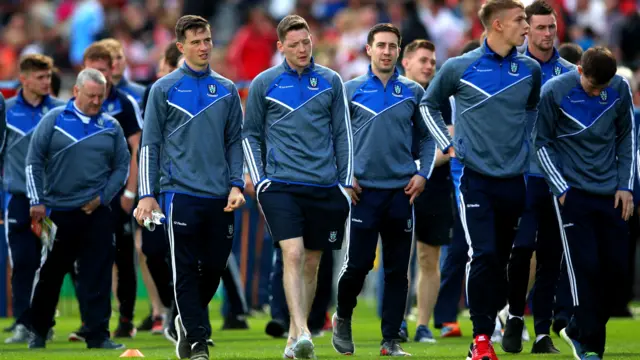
[(77, 162)]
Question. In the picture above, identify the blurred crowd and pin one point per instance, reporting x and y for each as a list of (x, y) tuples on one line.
[(244, 30)]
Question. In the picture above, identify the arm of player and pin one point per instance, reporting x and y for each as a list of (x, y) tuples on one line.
[(342, 134), (233, 141), (534, 98), (253, 131), (625, 141), (36, 156), (543, 135), (427, 148), (152, 138), (440, 89), (133, 139), (119, 168)]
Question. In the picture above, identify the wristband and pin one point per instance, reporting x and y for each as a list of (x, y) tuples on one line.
[(129, 194)]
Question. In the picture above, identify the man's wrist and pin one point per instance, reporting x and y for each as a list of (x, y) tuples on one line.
[(129, 194)]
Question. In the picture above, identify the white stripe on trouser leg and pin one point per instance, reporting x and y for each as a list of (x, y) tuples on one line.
[(172, 246), (235, 275), (567, 256), (7, 199), (44, 252), (347, 234), (467, 236), (258, 190)]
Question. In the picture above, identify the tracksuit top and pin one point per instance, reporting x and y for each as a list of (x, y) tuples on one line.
[(22, 119), (550, 69), (495, 98), (69, 162), (383, 119), (191, 136), (297, 128), (586, 142), (3, 121), (132, 89)]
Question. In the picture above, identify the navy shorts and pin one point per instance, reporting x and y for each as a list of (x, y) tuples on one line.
[(434, 217), (317, 214)]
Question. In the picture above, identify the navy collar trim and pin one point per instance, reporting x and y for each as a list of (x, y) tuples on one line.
[(309, 68), (553, 58), (393, 77), (71, 108), (22, 101), (186, 68), (485, 46)]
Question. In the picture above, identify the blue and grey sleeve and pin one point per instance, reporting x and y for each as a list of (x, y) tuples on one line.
[(427, 147), (253, 131), (233, 141), (543, 135), (625, 141), (152, 138), (342, 134), (441, 87), (3, 122), (36, 157), (119, 168)]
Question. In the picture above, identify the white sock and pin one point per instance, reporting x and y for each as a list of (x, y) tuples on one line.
[(539, 337), (513, 316)]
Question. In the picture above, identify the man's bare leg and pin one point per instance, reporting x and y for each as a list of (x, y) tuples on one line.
[(293, 255), (428, 281), (310, 275)]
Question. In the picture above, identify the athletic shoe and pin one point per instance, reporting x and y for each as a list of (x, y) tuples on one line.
[(125, 329), (512, 338), (450, 330), (21, 335), (276, 328), (157, 327), (107, 344), (183, 349), (575, 346), (304, 349), (544, 346), (146, 324), (559, 324), (525, 334), (496, 337), (288, 351), (79, 335), (210, 343), (171, 334), (199, 351), (424, 335), (403, 333), (342, 339), (235, 322), (11, 328), (36, 342), (481, 349), (590, 356), (392, 348)]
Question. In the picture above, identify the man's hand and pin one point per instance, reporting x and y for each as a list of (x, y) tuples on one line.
[(145, 207), (354, 191), (452, 152), (249, 189), (38, 212), (626, 199), (415, 187), (561, 199), (441, 158), (89, 207), (236, 200)]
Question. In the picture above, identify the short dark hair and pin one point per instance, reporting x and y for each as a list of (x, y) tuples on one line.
[(491, 8), (385, 27), (172, 55), (570, 52), (291, 23), (599, 65), (56, 81), (97, 51), (35, 62), (418, 44), (189, 22), (539, 7), (470, 46)]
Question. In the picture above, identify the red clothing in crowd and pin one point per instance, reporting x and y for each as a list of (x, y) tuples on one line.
[(250, 52)]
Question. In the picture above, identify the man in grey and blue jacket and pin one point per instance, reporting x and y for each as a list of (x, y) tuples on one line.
[(585, 144), (191, 140), (496, 92), (385, 114), (538, 229), (77, 162), (24, 112), (299, 149)]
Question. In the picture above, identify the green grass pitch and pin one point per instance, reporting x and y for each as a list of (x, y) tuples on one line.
[(623, 342)]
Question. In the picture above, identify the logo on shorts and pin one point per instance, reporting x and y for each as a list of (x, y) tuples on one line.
[(603, 95), (230, 229), (409, 226), (313, 82), (213, 89), (513, 68), (333, 236), (557, 70)]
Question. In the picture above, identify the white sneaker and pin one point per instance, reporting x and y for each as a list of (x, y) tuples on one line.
[(304, 349), (525, 334), (288, 352), (496, 337)]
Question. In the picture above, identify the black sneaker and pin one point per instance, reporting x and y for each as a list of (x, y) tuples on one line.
[(403, 333), (392, 348), (199, 351), (125, 329), (559, 324), (512, 338), (146, 324), (183, 349), (37, 341), (210, 343), (544, 346), (276, 328), (107, 344), (342, 339), (235, 322)]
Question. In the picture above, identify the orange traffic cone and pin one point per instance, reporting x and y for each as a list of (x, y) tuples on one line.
[(132, 353)]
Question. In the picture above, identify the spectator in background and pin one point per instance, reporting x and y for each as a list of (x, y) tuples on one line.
[(570, 52), (445, 27), (404, 15), (87, 25), (119, 66)]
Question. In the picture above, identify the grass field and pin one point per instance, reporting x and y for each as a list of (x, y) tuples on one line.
[(623, 342)]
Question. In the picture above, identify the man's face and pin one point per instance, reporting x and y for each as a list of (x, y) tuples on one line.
[(590, 86), (514, 26), (89, 97), (119, 63), (420, 66), (543, 31), (297, 48), (102, 66), (384, 51), (37, 81), (197, 47)]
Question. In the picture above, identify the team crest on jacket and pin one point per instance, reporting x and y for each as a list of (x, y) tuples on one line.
[(603, 95), (513, 67), (45, 110), (557, 70), (100, 121), (397, 89), (213, 89), (110, 107), (313, 82)]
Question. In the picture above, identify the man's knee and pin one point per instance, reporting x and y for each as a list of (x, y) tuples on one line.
[(428, 258), (293, 252), (312, 261)]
